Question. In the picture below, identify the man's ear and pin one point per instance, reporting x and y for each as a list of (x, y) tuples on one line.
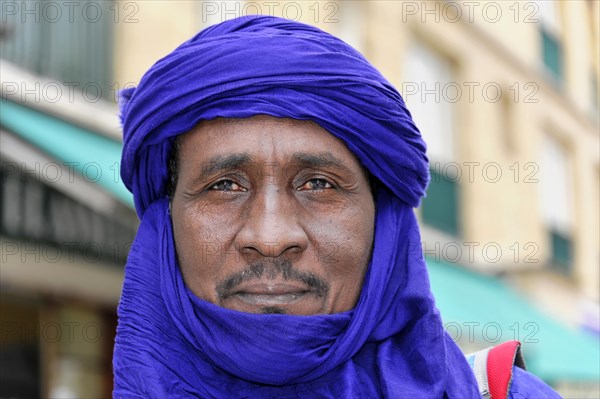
[(173, 169), (374, 184)]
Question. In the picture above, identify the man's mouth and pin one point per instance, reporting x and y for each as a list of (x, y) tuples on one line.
[(273, 287), (270, 294), (274, 296)]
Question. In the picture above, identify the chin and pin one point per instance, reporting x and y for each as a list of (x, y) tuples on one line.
[(272, 310)]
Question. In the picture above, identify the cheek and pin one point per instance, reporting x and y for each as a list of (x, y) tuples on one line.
[(200, 241), (345, 259), (344, 245)]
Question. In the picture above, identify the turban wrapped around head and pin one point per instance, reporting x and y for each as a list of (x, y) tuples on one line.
[(171, 343)]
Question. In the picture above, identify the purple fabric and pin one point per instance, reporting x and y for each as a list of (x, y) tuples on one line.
[(171, 343), (525, 385)]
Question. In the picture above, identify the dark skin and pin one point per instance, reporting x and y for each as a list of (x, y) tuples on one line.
[(271, 215)]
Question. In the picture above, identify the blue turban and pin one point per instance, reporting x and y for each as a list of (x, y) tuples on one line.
[(171, 343)]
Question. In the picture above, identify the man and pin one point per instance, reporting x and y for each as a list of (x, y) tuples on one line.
[(275, 171)]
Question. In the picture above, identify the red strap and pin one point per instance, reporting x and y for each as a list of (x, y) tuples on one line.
[(499, 368)]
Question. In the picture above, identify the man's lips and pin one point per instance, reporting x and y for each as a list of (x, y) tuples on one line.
[(270, 293), (275, 288)]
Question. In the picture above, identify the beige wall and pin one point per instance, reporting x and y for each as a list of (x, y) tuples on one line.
[(507, 53), (147, 31), (154, 28)]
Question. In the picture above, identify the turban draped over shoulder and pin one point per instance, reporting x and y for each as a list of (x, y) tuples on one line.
[(169, 342)]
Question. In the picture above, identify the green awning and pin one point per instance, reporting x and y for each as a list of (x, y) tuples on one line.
[(95, 157), (552, 351)]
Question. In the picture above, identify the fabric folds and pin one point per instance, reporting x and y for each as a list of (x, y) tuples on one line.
[(271, 66), (171, 343)]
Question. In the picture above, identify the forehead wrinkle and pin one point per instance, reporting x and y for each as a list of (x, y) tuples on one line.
[(274, 153), (222, 162), (283, 137), (319, 160)]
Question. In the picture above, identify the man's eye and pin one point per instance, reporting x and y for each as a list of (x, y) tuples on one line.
[(316, 184), (226, 185)]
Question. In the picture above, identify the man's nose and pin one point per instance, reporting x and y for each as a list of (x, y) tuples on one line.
[(271, 228)]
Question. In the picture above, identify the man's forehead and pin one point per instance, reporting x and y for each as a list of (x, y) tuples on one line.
[(260, 120), (232, 143), (262, 133)]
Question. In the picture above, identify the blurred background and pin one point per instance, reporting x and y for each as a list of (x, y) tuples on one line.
[(505, 93)]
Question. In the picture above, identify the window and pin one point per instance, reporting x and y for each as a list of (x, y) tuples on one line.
[(550, 33), (441, 206), (552, 54), (556, 202), (73, 45), (20, 357), (561, 250), (426, 87)]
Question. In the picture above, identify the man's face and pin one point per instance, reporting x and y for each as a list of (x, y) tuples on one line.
[(272, 215)]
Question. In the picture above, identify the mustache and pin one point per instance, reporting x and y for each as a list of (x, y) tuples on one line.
[(272, 268)]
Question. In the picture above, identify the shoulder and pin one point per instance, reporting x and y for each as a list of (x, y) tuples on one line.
[(526, 386), (500, 373)]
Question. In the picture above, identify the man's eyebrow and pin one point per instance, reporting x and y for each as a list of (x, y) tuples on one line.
[(219, 163), (319, 160)]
